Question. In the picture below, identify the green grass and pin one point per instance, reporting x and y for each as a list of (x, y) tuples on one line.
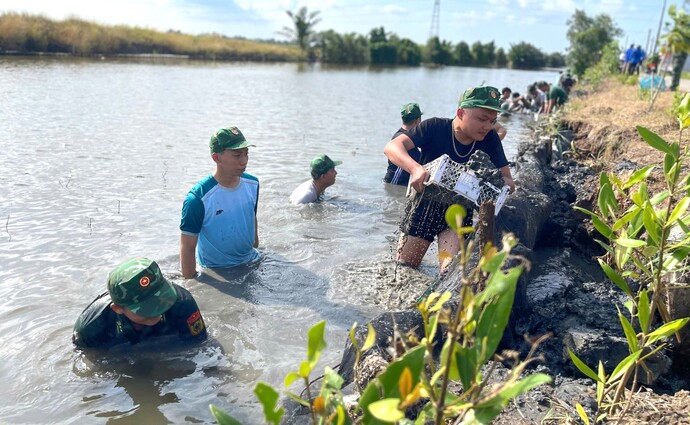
[(24, 33)]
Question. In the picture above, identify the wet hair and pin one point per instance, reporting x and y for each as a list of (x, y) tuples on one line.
[(515, 94), (532, 88), (505, 89)]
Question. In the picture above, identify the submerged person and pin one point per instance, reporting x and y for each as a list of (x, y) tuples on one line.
[(219, 227), (470, 130), (411, 116), (139, 304), (322, 176)]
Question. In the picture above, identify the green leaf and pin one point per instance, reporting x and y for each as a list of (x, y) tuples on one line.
[(441, 301), (370, 395), (629, 333), (414, 360), (643, 310), (269, 400), (679, 210), (581, 413), (582, 366), (649, 219), (607, 201), (684, 111), (615, 278), (351, 335), (371, 338), (666, 329), (524, 385), (494, 317), (432, 326), (624, 365), (630, 243), (669, 162), (316, 343), (449, 349), (602, 228), (222, 417), (638, 176), (291, 377), (495, 263), (659, 197), (455, 214), (466, 359), (654, 140), (386, 410), (621, 255)]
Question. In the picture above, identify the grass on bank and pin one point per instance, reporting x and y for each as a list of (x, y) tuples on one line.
[(604, 124), (24, 33)]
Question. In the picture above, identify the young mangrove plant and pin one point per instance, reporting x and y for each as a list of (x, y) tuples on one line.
[(417, 379), (647, 243)]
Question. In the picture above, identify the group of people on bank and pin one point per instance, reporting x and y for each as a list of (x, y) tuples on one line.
[(541, 98), (219, 227)]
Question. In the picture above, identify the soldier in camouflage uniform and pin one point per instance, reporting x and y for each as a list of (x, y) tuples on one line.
[(140, 304)]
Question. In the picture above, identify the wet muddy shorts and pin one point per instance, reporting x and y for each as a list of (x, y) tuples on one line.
[(428, 219)]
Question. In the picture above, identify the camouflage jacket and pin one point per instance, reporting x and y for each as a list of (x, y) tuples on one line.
[(99, 326)]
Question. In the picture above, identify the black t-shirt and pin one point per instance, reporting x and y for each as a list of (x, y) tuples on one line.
[(99, 326), (395, 174), (434, 137)]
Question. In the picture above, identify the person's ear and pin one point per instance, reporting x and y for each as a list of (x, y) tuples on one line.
[(117, 309), (214, 157), (460, 113)]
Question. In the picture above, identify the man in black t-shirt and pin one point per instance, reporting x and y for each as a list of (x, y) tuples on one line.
[(411, 116), (471, 129), (140, 304)]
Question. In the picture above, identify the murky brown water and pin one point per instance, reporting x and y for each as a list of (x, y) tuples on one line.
[(96, 157)]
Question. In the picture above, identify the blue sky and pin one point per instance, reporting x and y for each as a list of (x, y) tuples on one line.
[(539, 22)]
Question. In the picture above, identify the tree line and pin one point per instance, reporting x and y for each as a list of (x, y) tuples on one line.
[(30, 34)]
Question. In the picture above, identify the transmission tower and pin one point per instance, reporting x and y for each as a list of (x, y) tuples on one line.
[(434, 30)]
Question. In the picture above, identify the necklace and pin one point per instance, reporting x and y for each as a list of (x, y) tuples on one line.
[(452, 142)]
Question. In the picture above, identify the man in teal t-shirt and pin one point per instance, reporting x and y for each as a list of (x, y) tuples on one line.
[(219, 226)]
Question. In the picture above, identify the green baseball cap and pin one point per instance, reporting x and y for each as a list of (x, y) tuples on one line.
[(486, 97), (321, 164), (411, 112), (139, 286), (228, 138)]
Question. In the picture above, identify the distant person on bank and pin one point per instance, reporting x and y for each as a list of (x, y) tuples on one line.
[(558, 95), (219, 227), (140, 304), (470, 130), (322, 176), (411, 116)]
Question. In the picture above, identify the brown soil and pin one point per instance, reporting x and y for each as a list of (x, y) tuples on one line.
[(604, 123)]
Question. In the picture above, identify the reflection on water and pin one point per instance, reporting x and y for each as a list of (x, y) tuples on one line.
[(97, 157)]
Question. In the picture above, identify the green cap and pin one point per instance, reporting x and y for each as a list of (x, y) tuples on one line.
[(139, 286), (321, 164), (228, 138), (411, 112), (486, 97)]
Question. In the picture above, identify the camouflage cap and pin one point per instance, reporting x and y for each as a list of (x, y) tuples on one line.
[(411, 112), (486, 97), (228, 138), (139, 286), (321, 164)]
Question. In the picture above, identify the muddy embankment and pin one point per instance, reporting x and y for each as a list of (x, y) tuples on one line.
[(564, 294)]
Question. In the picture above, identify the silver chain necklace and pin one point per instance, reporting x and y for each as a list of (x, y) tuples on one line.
[(452, 141)]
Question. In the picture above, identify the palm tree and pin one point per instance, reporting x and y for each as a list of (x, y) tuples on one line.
[(302, 32), (679, 41)]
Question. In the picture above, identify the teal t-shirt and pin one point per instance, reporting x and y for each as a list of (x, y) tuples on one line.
[(224, 220)]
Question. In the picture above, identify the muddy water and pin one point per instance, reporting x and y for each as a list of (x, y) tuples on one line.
[(96, 157)]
